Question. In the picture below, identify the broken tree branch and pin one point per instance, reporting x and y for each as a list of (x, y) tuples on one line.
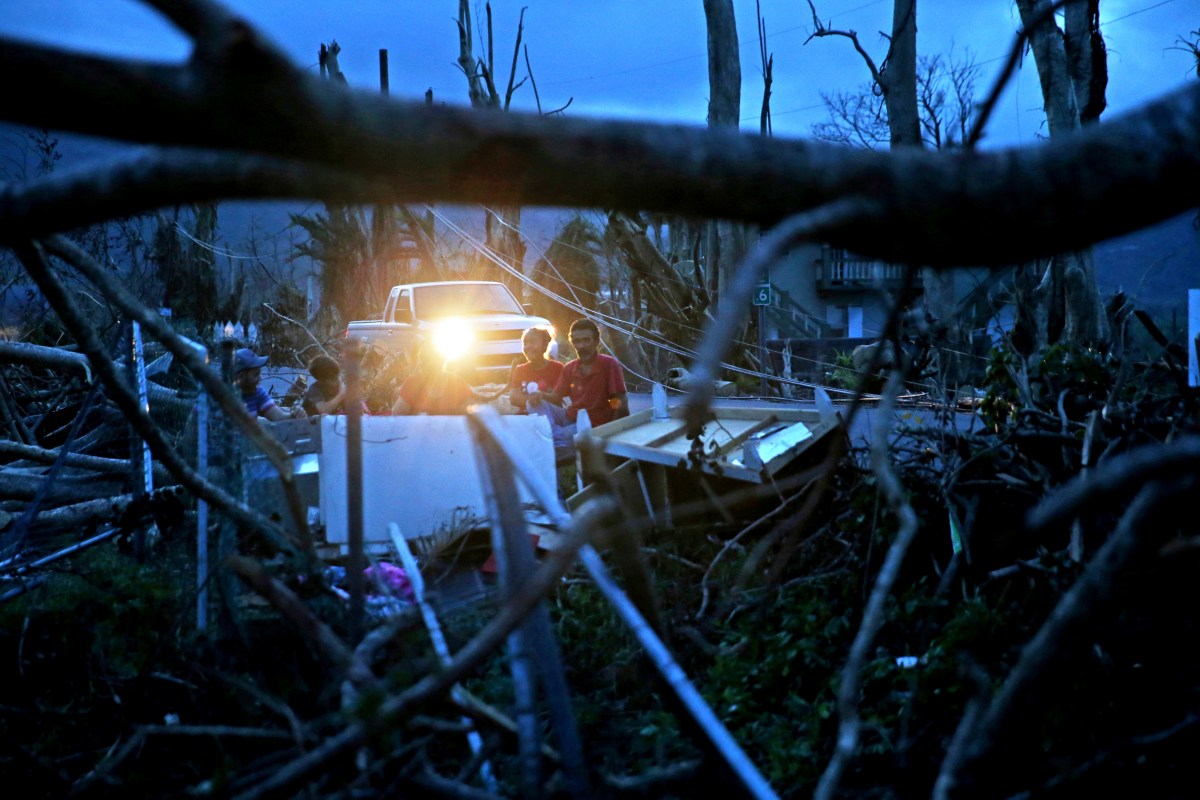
[(1107, 480), (112, 466), (48, 357), (581, 528), (849, 721), (1059, 638)]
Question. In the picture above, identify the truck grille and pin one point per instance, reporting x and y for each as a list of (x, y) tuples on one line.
[(498, 336), (495, 361)]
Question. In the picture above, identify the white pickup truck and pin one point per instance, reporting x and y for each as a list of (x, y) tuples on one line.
[(478, 324)]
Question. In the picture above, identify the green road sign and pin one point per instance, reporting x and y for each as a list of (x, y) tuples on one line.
[(762, 294)]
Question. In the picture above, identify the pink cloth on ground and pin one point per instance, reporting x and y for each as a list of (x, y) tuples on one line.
[(394, 578)]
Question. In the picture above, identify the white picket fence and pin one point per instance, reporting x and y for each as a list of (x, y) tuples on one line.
[(235, 330)]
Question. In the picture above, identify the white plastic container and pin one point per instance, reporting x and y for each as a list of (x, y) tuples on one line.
[(658, 399)]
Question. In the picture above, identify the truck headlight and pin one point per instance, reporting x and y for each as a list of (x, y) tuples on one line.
[(452, 338)]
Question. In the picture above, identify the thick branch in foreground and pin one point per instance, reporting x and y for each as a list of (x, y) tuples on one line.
[(941, 209)]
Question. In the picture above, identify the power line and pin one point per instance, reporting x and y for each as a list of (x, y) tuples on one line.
[(211, 248), (622, 326)]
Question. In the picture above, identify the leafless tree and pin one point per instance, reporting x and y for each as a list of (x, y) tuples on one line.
[(502, 222), (946, 95), (896, 80), (1072, 68)]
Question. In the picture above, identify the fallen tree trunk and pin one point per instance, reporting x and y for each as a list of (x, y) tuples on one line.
[(49, 357), (112, 466), (93, 512), (17, 486)]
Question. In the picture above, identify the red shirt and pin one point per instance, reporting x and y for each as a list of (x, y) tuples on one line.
[(445, 395), (546, 377), (593, 392)]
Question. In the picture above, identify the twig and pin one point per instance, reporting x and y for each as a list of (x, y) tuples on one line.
[(299, 325), (135, 742), (358, 674), (873, 615), (1110, 480), (734, 542)]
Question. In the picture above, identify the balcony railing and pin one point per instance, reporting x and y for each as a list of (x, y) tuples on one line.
[(858, 273)]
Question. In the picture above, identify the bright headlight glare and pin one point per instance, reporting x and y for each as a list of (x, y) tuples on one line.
[(453, 338)]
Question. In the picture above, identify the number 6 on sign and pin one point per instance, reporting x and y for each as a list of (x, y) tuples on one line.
[(762, 294)]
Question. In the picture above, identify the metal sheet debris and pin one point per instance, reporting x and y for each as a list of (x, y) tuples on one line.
[(748, 444)]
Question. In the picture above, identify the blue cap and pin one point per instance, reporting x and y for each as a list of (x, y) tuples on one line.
[(245, 359)]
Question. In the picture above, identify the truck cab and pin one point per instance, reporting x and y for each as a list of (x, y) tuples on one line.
[(475, 324)]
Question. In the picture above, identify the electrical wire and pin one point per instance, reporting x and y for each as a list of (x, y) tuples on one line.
[(697, 331), (635, 326), (614, 323)]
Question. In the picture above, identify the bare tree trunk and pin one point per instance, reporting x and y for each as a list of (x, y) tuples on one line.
[(502, 221), (899, 84), (1067, 66), (725, 243), (899, 79)]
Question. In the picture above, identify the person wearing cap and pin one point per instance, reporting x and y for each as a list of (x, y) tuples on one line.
[(247, 370)]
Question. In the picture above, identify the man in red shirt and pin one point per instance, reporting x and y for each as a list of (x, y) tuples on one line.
[(592, 381)]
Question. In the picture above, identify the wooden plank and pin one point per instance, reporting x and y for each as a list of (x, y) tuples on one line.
[(783, 414), (615, 427), (651, 434), (639, 437)]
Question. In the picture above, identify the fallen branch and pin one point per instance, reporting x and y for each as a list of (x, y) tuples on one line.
[(47, 357), (81, 515), (937, 208), (492, 636), (849, 722), (186, 352), (309, 625), (112, 466)]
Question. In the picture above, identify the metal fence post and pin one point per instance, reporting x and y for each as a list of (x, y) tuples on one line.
[(354, 497), (139, 449), (202, 506)]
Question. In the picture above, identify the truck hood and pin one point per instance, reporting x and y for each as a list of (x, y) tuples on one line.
[(494, 322)]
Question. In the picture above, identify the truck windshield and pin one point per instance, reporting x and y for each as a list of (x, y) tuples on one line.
[(463, 299)]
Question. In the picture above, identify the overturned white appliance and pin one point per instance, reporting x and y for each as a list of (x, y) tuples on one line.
[(419, 472)]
